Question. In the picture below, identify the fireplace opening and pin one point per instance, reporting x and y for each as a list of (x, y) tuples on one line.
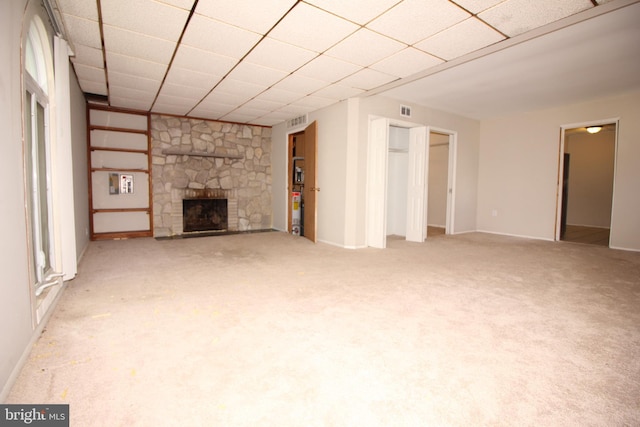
[(204, 214)]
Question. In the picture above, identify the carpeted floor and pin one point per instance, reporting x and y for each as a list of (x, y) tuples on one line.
[(268, 329)]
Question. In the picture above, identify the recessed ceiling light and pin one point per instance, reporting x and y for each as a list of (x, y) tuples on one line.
[(594, 129)]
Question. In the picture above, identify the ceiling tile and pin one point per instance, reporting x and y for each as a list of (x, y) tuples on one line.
[(138, 45), (184, 4), (129, 102), (328, 69), (211, 110), (279, 95), (170, 107), (81, 9), (311, 28), (228, 98), (238, 117), (477, 6), (353, 48), (415, 20), (251, 111), (98, 88), (145, 16), (300, 84), (358, 11), (83, 31), (183, 77), (203, 61), (338, 92), (87, 55), (274, 118), (406, 62), (133, 82), (254, 15), (243, 90), (93, 74), (127, 92), (217, 37), (367, 79), (192, 93), (292, 110), (257, 74), (267, 120), (313, 102), (135, 66), (467, 36), (515, 17), (185, 104), (280, 56), (262, 104)]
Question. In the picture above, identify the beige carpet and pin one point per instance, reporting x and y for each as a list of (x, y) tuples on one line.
[(268, 329)]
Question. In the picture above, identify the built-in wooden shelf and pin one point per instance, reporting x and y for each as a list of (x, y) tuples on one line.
[(120, 210), (178, 152), (119, 150), (118, 170)]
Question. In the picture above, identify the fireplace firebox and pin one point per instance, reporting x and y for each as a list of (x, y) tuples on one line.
[(204, 214)]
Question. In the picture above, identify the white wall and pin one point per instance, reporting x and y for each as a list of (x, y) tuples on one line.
[(79, 154), (332, 172), (438, 179), (590, 193), (397, 181), (15, 303), (342, 166), (518, 174), (467, 154)]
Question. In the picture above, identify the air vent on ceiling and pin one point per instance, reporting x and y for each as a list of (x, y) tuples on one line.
[(297, 121), (405, 111)]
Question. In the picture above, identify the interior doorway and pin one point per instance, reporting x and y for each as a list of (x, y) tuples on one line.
[(585, 190), (441, 177), (302, 180), (398, 181)]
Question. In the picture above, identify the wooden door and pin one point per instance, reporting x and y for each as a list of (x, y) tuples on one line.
[(310, 191)]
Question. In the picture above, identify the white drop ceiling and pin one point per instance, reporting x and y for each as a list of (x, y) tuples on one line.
[(265, 61)]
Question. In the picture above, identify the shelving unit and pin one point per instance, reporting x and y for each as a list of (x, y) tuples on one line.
[(119, 144)]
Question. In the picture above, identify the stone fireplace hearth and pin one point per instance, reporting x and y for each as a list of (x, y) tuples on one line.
[(201, 159)]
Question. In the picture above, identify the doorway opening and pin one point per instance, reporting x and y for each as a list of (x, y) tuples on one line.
[(302, 183), (398, 182), (586, 182), (441, 176)]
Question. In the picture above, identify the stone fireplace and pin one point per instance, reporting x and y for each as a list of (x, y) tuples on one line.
[(196, 160)]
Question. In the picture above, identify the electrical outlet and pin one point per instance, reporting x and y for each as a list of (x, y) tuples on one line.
[(494, 212)]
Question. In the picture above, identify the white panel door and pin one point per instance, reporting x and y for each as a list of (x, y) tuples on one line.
[(417, 187), (377, 183)]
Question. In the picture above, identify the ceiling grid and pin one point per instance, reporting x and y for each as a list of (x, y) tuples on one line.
[(264, 61)]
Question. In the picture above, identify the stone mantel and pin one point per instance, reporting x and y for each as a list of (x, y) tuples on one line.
[(179, 152)]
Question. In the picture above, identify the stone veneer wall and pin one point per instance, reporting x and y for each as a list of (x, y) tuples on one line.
[(244, 178)]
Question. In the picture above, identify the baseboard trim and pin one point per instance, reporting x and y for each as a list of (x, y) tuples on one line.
[(516, 235)]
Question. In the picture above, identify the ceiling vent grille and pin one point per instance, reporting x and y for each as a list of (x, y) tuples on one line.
[(405, 111), (297, 121)]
